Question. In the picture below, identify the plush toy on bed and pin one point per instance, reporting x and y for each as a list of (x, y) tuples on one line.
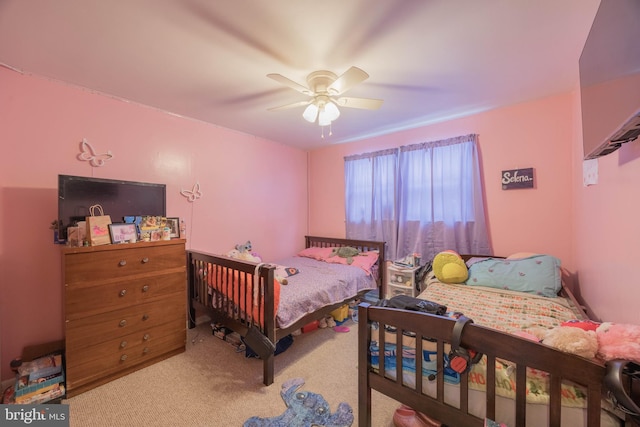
[(619, 341), (572, 340), (569, 339), (243, 252), (449, 267), (345, 252)]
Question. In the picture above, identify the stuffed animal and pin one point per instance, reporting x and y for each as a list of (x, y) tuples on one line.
[(304, 409), (244, 247), (564, 338), (245, 256), (449, 267), (345, 252), (619, 341), (572, 340)]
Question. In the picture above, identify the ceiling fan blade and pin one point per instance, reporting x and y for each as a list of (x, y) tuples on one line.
[(365, 103), (287, 106), (290, 83), (346, 81)]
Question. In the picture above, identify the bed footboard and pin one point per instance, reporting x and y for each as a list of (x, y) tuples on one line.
[(237, 293), (522, 355)]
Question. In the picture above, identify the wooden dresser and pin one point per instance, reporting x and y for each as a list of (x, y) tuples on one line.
[(124, 308)]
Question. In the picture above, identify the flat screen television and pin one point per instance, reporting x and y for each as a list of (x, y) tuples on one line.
[(117, 198), (610, 78)]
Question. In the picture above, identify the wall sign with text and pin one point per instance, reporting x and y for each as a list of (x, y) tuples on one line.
[(517, 178)]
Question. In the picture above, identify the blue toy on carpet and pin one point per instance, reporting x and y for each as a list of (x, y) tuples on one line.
[(304, 409)]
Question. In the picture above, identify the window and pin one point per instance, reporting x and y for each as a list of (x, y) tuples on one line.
[(421, 198)]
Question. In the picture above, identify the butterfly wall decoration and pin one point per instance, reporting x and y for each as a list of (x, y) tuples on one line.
[(88, 154), (193, 194)]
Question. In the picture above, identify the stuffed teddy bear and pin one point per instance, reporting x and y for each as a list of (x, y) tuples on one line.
[(572, 340), (565, 338), (619, 341), (449, 267)]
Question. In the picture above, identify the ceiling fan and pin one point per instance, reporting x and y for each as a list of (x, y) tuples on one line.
[(325, 88)]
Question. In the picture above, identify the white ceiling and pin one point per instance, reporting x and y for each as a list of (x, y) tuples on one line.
[(429, 60)]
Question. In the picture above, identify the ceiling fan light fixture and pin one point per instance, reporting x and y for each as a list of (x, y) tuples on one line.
[(329, 113), (310, 113)]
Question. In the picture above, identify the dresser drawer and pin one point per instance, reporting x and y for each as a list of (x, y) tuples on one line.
[(92, 330), (86, 299), (393, 290), (125, 344), (97, 266), (79, 373)]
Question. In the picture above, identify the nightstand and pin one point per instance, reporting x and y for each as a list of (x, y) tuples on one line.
[(401, 281)]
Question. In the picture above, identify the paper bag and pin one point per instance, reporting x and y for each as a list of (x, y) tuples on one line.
[(98, 226)]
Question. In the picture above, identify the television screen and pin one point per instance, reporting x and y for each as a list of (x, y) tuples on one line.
[(117, 198), (610, 78)]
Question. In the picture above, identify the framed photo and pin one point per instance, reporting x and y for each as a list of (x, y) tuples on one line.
[(174, 225), (155, 234), (123, 233)]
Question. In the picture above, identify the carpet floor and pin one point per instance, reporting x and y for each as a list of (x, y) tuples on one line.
[(211, 384)]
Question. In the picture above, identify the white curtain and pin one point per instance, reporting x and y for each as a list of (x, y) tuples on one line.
[(371, 198), (422, 198), (440, 203)]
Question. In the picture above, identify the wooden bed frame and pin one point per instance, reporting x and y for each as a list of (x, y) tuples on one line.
[(493, 344), (199, 298)]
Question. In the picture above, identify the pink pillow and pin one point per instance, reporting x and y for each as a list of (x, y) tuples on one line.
[(316, 253), (365, 260)]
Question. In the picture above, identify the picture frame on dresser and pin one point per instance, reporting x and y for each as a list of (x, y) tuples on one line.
[(123, 233), (174, 225)]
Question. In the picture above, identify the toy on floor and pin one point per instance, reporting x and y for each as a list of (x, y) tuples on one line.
[(304, 409), (327, 322)]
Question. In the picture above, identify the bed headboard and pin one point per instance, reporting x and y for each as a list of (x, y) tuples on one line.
[(361, 245)]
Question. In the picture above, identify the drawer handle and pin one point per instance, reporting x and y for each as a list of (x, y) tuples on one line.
[(122, 262), (146, 337), (145, 350), (123, 344), (145, 317), (123, 357), (122, 323), (123, 292), (145, 288), (145, 260)]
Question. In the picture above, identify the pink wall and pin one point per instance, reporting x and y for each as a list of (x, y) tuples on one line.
[(536, 134), (246, 192), (593, 230), (606, 226)]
